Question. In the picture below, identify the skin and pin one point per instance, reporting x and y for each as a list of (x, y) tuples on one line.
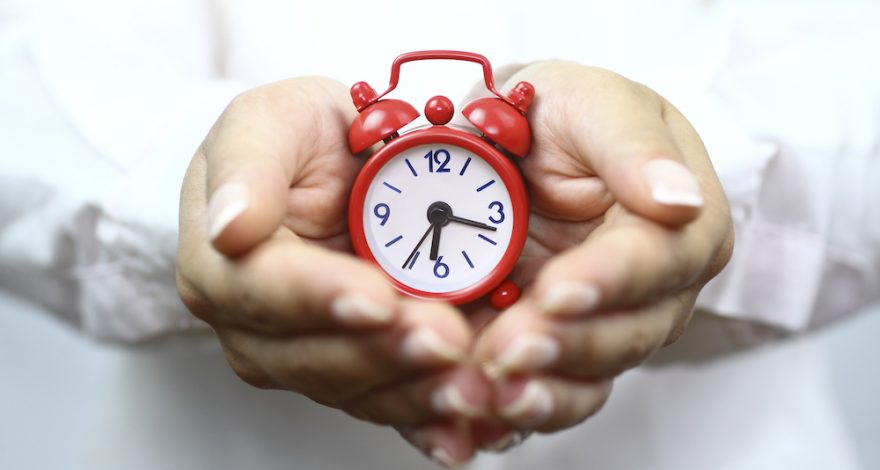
[(267, 282)]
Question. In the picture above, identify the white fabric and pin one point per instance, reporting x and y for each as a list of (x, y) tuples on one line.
[(103, 103)]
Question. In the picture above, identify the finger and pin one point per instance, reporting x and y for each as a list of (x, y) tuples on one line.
[(448, 444), (286, 286), (615, 127), (595, 347), (259, 147), (548, 404), (461, 393), (335, 367), (626, 263)]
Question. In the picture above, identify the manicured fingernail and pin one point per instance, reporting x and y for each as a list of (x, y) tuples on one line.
[(529, 351), (448, 399), (533, 406), (672, 183), (227, 203), (359, 310), (506, 442), (441, 457), (571, 298), (424, 345)]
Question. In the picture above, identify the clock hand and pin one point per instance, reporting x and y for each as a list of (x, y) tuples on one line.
[(435, 241), (421, 240), (472, 223)]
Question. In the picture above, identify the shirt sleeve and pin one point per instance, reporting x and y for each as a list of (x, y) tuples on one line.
[(802, 95), (99, 126)]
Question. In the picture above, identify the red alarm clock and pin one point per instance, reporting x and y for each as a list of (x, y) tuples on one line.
[(442, 210)]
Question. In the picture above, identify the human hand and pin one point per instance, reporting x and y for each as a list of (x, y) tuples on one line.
[(262, 258), (628, 222)]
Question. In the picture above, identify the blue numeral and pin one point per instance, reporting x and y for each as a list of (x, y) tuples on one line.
[(498, 207), (382, 211), (434, 157), (441, 266)]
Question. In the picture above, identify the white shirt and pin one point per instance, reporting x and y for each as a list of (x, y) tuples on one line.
[(104, 102)]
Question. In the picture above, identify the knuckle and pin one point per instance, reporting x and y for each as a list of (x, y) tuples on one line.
[(582, 403), (722, 254), (243, 367), (249, 375), (192, 297), (682, 318), (641, 343)]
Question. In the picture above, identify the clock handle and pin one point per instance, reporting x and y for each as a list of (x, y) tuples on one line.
[(488, 77), (500, 119)]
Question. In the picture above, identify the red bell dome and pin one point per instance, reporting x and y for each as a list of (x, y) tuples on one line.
[(377, 120), (502, 122)]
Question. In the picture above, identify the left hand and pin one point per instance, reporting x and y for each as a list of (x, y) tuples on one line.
[(628, 222)]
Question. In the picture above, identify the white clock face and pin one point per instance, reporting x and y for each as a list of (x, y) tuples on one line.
[(471, 212)]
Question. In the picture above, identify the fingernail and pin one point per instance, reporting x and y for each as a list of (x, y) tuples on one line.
[(672, 183), (571, 298), (227, 203), (533, 406), (506, 442), (359, 310), (424, 345), (440, 456), (529, 351), (449, 400)]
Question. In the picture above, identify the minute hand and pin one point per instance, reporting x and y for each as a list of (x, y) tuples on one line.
[(472, 223)]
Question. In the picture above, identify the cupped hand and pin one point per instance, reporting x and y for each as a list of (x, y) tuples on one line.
[(628, 222), (262, 258)]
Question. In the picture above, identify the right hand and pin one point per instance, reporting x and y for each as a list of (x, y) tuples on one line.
[(263, 258)]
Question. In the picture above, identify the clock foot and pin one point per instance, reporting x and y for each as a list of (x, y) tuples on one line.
[(504, 295)]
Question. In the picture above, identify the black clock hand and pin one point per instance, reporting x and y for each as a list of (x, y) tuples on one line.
[(435, 241), (472, 223), (421, 240)]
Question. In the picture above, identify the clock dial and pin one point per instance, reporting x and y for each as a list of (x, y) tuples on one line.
[(438, 218)]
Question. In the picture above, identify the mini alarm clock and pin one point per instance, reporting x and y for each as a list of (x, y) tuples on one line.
[(442, 210)]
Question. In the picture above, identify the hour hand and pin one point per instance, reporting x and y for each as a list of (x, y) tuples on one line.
[(435, 241), (472, 223)]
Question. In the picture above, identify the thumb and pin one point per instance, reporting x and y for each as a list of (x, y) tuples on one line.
[(616, 127), (254, 153), (246, 206), (637, 157)]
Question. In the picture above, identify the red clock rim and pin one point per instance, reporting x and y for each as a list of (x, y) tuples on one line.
[(506, 170)]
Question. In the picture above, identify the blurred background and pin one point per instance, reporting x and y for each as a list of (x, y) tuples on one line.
[(102, 103)]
